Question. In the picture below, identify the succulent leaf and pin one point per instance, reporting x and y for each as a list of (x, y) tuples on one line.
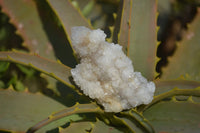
[(93, 127), (163, 86), (77, 108), (185, 62), (68, 15), (138, 34), (143, 36), (135, 30), (174, 116), (132, 127), (99, 125), (77, 127), (51, 68), (174, 92), (25, 17), (122, 32), (24, 107), (140, 122)]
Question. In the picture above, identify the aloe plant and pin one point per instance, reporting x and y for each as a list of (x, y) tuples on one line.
[(37, 91)]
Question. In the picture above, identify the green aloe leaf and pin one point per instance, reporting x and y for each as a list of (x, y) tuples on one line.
[(184, 93), (122, 34), (68, 15), (174, 116), (25, 17), (99, 125), (185, 62), (51, 68), (76, 127), (137, 34), (143, 36), (76, 109), (163, 86), (132, 127), (135, 121), (93, 127), (19, 111)]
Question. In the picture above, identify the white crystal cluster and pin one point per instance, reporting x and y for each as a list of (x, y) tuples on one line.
[(106, 74)]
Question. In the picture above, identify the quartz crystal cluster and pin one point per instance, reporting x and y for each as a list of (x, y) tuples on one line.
[(106, 74)]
